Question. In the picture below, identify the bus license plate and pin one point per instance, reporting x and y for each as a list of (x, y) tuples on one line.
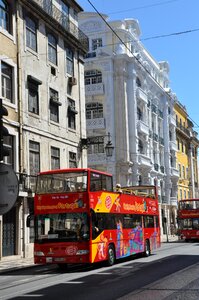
[(49, 259)]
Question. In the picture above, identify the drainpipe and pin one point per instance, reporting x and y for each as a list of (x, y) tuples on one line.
[(20, 108), (20, 117)]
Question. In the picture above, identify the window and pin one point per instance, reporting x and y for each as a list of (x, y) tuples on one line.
[(6, 81), (34, 157), (95, 145), (31, 34), (33, 95), (170, 135), (185, 194), (65, 14), (138, 82), (93, 77), (178, 144), (69, 61), (100, 182), (96, 43), (94, 110), (52, 49), (4, 15), (187, 172), (54, 106), (55, 158), (183, 172), (71, 114), (140, 147), (8, 143), (139, 113), (179, 169), (72, 160), (182, 146), (148, 221)]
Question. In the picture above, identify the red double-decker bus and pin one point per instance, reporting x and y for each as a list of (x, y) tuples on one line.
[(79, 218), (188, 219)]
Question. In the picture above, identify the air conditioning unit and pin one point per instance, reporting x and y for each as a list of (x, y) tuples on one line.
[(72, 80)]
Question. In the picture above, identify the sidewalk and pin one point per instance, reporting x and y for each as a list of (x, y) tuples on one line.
[(169, 238), (11, 263)]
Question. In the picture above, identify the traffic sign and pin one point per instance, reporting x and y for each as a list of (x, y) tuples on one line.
[(9, 188)]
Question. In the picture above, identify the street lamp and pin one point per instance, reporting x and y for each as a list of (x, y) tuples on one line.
[(84, 143), (109, 146)]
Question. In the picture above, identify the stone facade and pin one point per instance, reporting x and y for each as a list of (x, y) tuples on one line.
[(43, 47)]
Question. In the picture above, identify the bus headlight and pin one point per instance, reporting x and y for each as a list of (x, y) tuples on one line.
[(38, 253), (82, 252)]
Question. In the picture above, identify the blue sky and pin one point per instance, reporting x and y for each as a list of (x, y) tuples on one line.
[(181, 51)]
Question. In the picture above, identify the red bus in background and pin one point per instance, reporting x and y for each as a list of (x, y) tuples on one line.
[(80, 219), (188, 219)]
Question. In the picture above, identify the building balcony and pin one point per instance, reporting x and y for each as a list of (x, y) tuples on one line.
[(94, 89), (62, 20), (172, 120), (141, 95), (183, 129), (98, 123), (142, 127), (144, 161), (97, 158), (173, 145), (174, 172), (155, 137), (173, 201)]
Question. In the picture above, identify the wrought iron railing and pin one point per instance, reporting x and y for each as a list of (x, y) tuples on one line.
[(182, 128), (63, 20)]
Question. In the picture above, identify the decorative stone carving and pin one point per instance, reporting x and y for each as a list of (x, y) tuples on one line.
[(91, 26)]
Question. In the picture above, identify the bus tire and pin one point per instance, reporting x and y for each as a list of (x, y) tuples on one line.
[(111, 255), (147, 248), (63, 267)]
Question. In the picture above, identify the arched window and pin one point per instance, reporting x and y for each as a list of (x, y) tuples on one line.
[(4, 15), (93, 77)]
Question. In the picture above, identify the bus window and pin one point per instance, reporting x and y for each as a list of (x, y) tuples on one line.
[(148, 221), (196, 224), (100, 182)]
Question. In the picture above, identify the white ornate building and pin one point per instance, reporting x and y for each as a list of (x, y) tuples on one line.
[(128, 96)]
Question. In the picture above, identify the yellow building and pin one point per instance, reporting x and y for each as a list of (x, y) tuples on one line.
[(187, 146)]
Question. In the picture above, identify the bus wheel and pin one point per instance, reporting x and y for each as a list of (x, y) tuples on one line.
[(147, 250), (111, 255), (63, 267)]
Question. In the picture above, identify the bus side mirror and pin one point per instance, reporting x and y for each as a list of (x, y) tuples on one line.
[(29, 217)]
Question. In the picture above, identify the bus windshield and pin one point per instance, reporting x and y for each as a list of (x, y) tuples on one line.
[(62, 182), (62, 227), (186, 205)]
